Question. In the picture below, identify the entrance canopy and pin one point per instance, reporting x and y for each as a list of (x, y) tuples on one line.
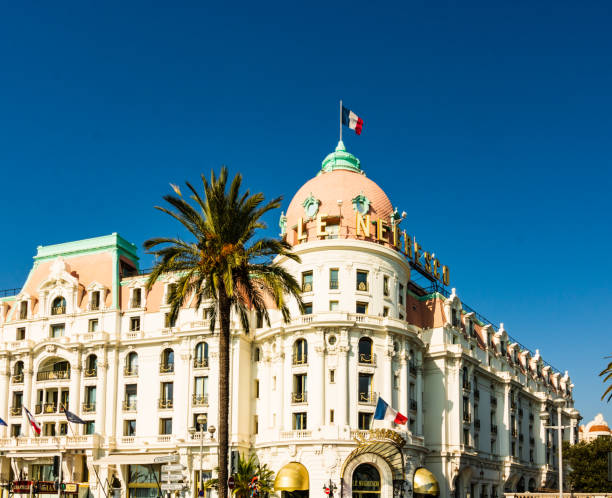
[(292, 477), (425, 483), (385, 443)]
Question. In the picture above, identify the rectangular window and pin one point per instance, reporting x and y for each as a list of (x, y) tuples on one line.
[(63, 427), (307, 281), (401, 294), (365, 388), (362, 280), (136, 298), (257, 388), (331, 416), (49, 429), (200, 390), (299, 421), (299, 388), (129, 427), (333, 306), (386, 311), (361, 308), (466, 437), (90, 427), (256, 424), (169, 321), (364, 421), (95, 300), (165, 426), (57, 330), (385, 285), (17, 400), (274, 383), (23, 311), (135, 324), (167, 391), (260, 320), (93, 325), (131, 396), (21, 334), (204, 425), (332, 376), (308, 308), (16, 430), (333, 278), (454, 318)]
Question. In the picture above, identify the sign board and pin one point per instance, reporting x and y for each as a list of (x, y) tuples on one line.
[(166, 459), (21, 487), (172, 476), (172, 468), (175, 486), (231, 482), (46, 487), (71, 487)]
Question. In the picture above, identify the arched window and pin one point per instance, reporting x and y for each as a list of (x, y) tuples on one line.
[(201, 355), (18, 373), (300, 352), (256, 354), (59, 306), (366, 479), (366, 354), (167, 361), (91, 366), (131, 364)]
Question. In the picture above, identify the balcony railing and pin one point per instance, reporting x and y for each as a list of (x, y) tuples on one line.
[(49, 407), (53, 375), (413, 405), (166, 368), (467, 417), (297, 398), (15, 411), (467, 385), (367, 398), (38, 408), (200, 400), (165, 403), (17, 378), (89, 407), (367, 359), (91, 373), (333, 284), (58, 310), (130, 371), (493, 429), (200, 363), (129, 405), (300, 359)]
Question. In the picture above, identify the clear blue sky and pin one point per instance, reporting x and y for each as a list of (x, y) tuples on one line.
[(489, 125)]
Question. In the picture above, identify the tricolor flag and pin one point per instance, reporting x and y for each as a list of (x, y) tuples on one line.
[(350, 119), (32, 420), (2, 422), (385, 412)]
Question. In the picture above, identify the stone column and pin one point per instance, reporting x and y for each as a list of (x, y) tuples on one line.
[(342, 381), (316, 396), (28, 389), (504, 431), (403, 387), (4, 390), (74, 397), (114, 402), (101, 394), (419, 393)]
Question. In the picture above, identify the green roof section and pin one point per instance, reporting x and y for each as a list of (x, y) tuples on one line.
[(341, 159), (112, 242)]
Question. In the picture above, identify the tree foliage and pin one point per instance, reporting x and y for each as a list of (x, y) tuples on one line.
[(606, 373), (247, 469), (589, 465)]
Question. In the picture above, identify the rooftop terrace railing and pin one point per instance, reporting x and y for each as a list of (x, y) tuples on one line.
[(9, 292)]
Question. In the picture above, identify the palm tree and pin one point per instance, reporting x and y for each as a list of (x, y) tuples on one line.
[(608, 375), (226, 266), (248, 468)]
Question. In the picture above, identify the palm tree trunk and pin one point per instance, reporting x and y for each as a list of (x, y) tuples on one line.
[(224, 363)]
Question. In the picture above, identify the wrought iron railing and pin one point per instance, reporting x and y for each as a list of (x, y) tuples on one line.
[(17, 378), (165, 403), (298, 397), (91, 373), (200, 400), (58, 310), (15, 411), (89, 407), (367, 359), (130, 371), (49, 407), (200, 363), (129, 405), (300, 358), (413, 404), (53, 375), (367, 398), (166, 368)]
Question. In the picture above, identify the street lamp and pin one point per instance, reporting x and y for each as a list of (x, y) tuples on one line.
[(559, 403)]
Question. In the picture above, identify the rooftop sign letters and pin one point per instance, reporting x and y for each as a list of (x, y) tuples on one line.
[(390, 233)]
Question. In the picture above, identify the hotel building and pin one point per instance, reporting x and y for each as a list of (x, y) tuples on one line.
[(83, 333)]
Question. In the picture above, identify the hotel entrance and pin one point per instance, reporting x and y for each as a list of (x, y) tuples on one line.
[(366, 481)]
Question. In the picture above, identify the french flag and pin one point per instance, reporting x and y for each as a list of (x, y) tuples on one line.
[(385, 412), (350, 119), (32, 420)]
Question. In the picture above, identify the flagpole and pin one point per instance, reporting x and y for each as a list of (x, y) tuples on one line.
[(341, 120)]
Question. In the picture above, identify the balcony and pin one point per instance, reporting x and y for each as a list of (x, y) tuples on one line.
[(367, 398), (129, 405), (300, 359), (165, 368), (17, 379), (298, 398), (333, 284), (296, 434), (199, 400), (53, 375), (49, 408), (477, 423), (200, 363), (38, 409), (91, 373), (476, 394), (88, 407), (130, 371), (413, 405), (467, 418), (367, 359), (165, 404), (493, 429), (15, 411), (58, 310)]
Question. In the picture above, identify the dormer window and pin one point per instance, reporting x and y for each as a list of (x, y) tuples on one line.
[(94, 301), (136, 298), (455, 317), (385, 285), (23, 310), (171, 293), (59, 306)]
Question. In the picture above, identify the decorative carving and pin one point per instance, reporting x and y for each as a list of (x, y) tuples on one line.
[(51, 348), (379, 435)]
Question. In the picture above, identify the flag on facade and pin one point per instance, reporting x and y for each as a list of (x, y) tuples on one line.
[(2, 422), (385, 412), (72, 417), (350, 119), (32, 420)]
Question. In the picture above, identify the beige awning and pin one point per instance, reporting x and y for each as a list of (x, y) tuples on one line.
[(425, 483), (292, 477), (126, 459)]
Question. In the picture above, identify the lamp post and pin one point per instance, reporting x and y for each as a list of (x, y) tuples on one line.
[(559, 403)]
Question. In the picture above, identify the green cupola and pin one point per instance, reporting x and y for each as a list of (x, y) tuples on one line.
[(341, 159)]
